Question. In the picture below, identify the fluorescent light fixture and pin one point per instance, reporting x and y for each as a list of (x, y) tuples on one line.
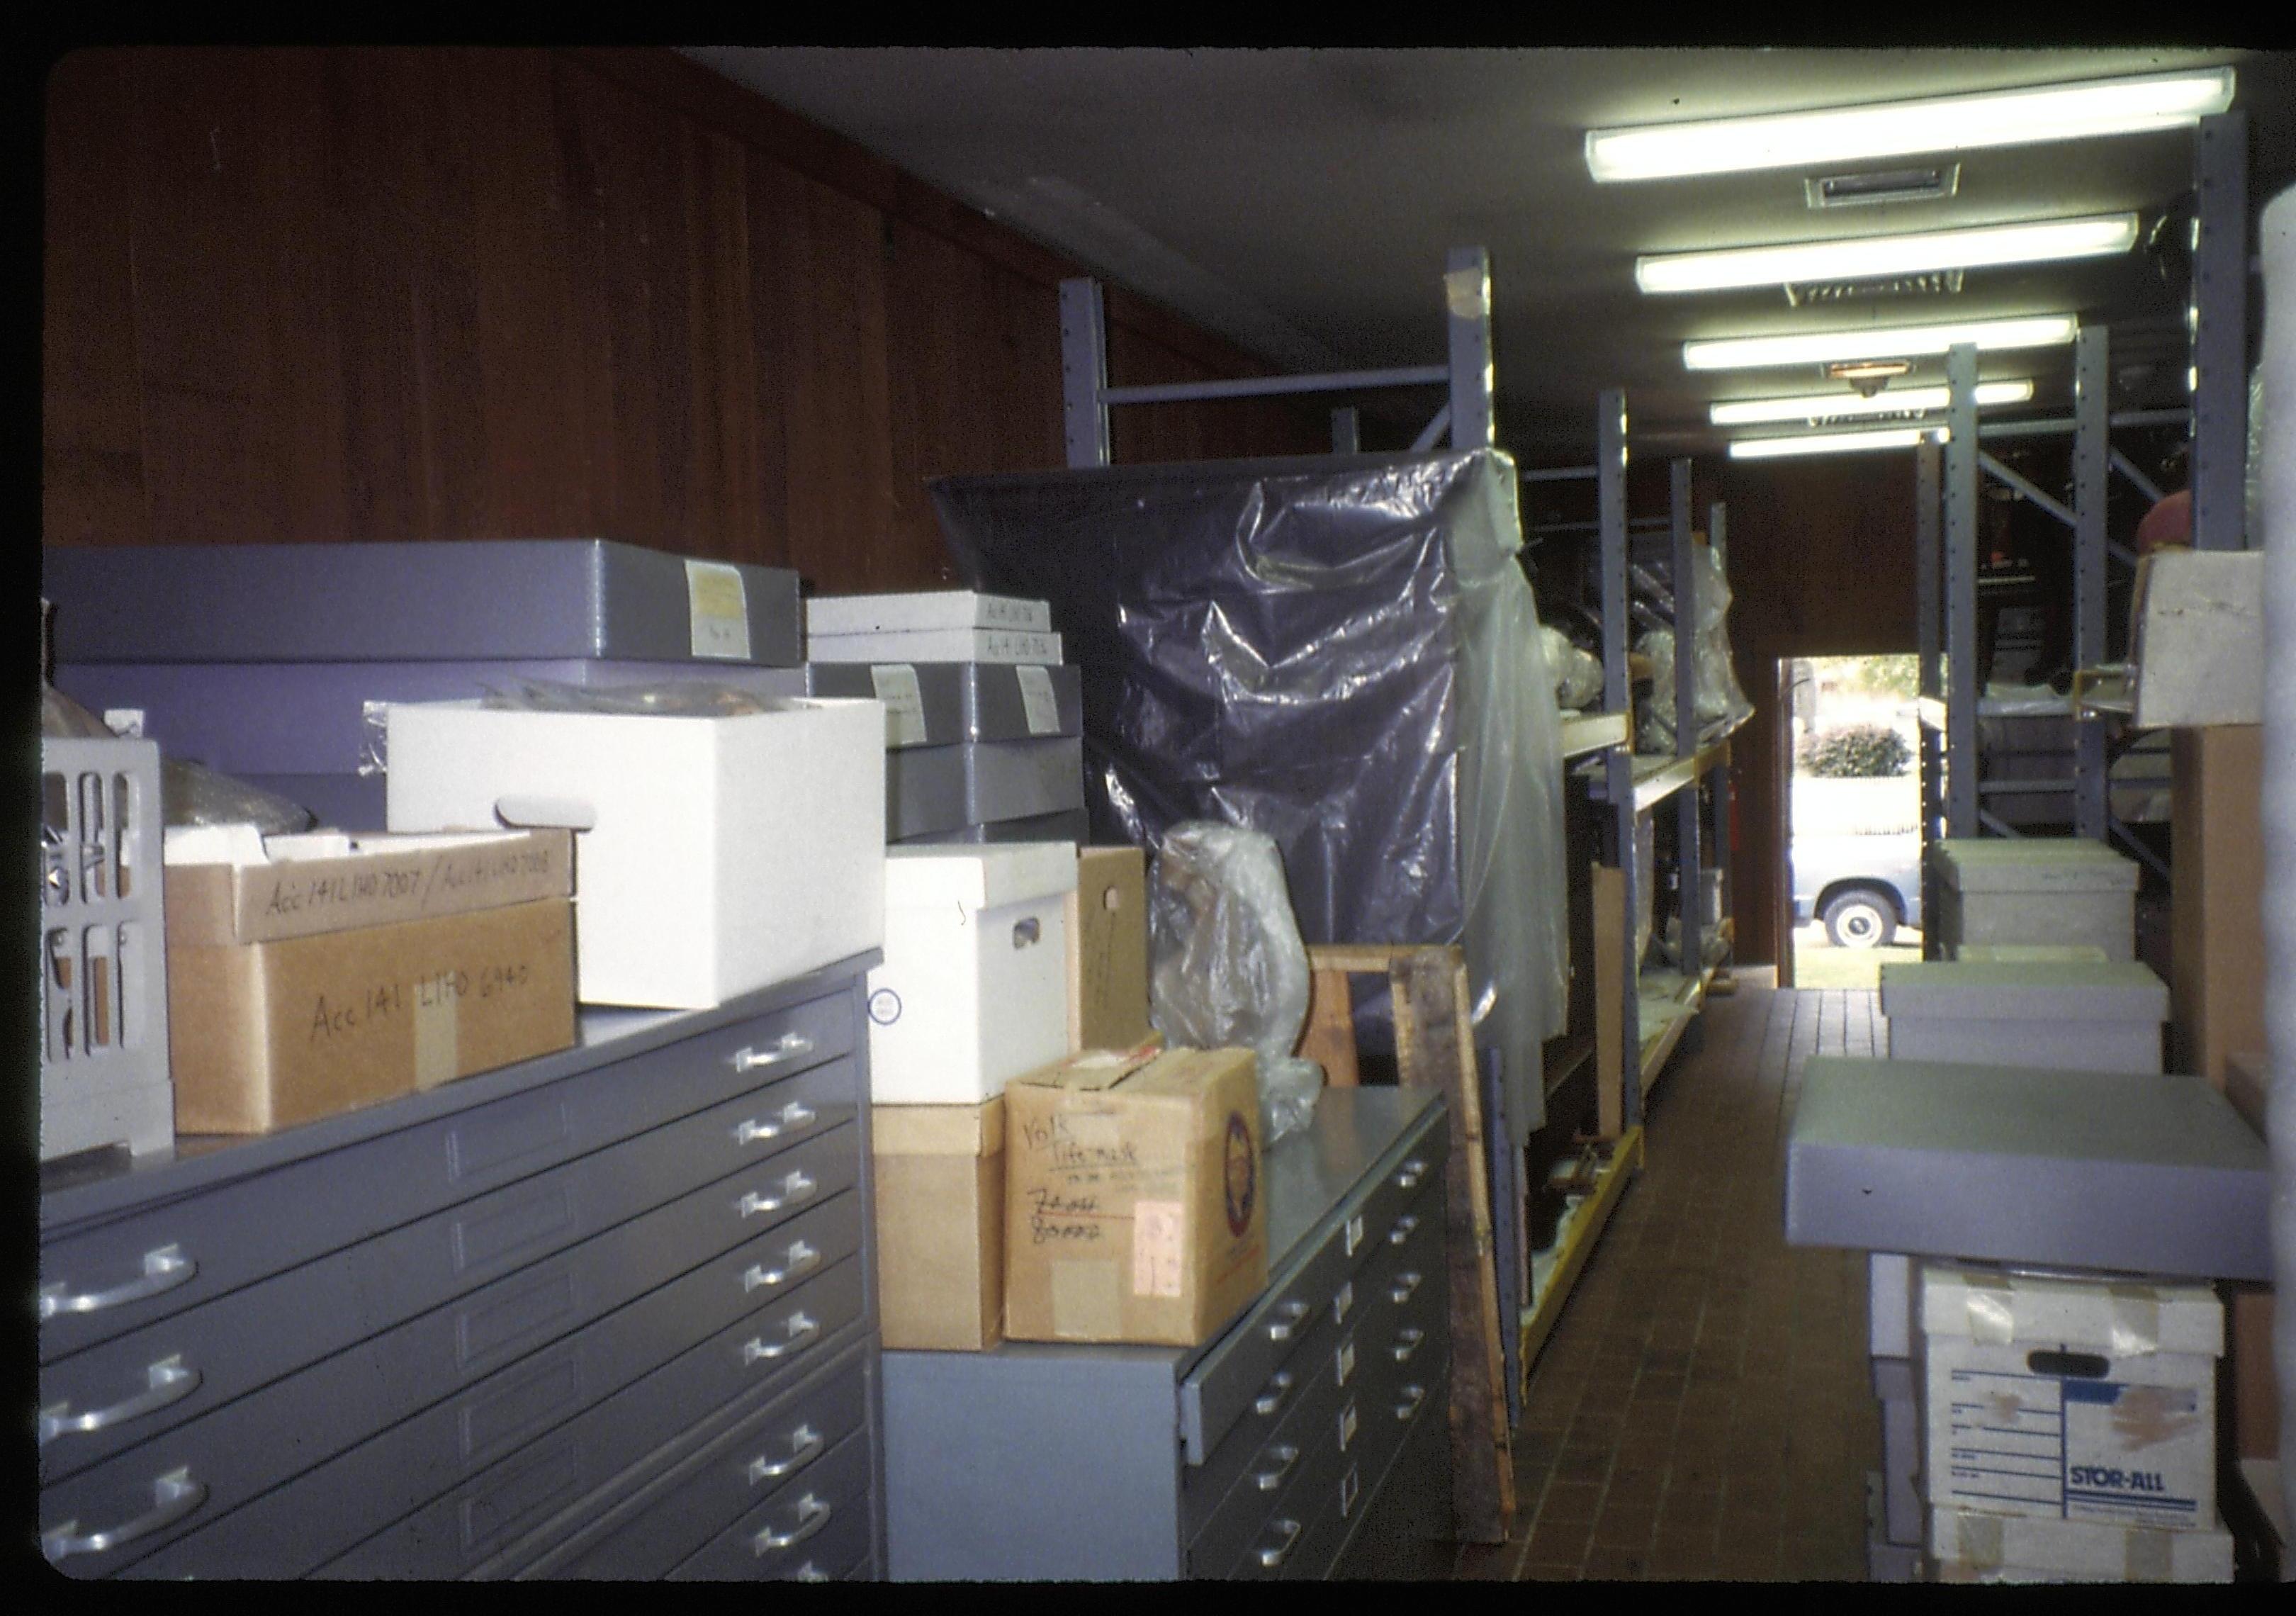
[(1878, 342), (1867, 257), (1832, 443), (1900, 129), (1892, 401)]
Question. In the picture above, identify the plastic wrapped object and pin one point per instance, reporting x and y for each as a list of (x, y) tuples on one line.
[(1721, 702), (1578, 673), (190, 793), (1342, 653), (1228, 969)]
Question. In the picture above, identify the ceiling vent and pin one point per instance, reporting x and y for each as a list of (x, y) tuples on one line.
[(1932, 283), (1889, 186)]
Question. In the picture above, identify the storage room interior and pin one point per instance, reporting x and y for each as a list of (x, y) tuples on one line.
[(1105, 815)]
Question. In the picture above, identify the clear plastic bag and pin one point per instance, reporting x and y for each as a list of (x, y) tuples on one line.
[(1721, 702), (666, 698), (1229, 970), (190, 793), (1577, 673)]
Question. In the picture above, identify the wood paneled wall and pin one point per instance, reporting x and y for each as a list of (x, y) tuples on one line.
[(442, 294)]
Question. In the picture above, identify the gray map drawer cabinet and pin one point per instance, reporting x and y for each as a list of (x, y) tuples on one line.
[(1310, 1438), (608, 1314)]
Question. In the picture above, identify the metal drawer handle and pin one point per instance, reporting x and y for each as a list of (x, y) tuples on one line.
[(796, 1189), (1412, 1173), (1404, 1228), (796, 1260), (1285, 1458), (812, 1515), (170, 1382), (1354, 1232), (1293, 1312), (801, 1330), (1272, 1400), (163, 1270), (177, 1495), (1273, 1557), (1407, 1343), (805, 1442), (796, 1113), (791, 1047), (1404, 1285), (1418, 1395)]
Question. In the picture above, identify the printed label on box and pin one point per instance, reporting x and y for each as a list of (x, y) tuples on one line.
[(895, 685), (720, 610), (1159, 1259), (1038, 702), (2082, 1449)]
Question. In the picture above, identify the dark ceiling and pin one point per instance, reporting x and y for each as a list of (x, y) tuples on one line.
[(1300, 202)]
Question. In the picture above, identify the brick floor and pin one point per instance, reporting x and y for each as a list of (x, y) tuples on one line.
[(1702, 1410)]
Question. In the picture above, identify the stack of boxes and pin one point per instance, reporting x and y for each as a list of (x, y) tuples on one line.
[(2034, 892), (984, 725)]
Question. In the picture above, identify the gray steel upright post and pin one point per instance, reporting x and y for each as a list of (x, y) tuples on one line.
[(1685, 581), (1467, 296), (2219, 325), (2092, 471), (1928, 486), (1084, 373), (1960, 594), (1617, 696)]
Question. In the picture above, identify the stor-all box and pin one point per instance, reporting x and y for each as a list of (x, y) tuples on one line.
[(2101, 1017), (940, 1225), (2068, 1398), (712, 856), (1108, 950), (1971, 1545), (973, 987), (313, 974), (1136, 1206)]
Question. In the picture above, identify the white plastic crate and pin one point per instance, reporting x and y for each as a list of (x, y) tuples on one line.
[(102, 949)]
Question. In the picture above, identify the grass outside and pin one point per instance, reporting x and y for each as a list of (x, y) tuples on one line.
[(1818, 963)]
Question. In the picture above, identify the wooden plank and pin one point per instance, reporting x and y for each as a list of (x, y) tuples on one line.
[(1329, 1039), (1609, 893), (1435, 1048)]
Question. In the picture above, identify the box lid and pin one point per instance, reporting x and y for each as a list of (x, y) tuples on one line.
[(2032, 864), (230, 884), (987, 877), (937, 1130), (2119, 1318), (2028, 991), (836, 614)]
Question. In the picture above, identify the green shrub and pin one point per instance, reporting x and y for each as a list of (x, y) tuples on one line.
[(1857, 752)]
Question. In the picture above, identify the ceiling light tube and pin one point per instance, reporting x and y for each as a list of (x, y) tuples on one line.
[(1890, 401), (1867, 257), (1832, 443), (1944, 123), (1878, 342)]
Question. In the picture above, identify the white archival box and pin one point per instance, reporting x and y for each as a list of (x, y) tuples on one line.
[(1973, 1546), (712, 856), (2036, 891), (2070, 1016), (974, 990)]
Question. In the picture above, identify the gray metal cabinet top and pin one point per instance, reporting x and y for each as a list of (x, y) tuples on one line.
[(493, 599)]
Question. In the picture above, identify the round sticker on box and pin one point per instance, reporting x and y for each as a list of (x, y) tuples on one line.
[(884, 1006), (1242, 1174)]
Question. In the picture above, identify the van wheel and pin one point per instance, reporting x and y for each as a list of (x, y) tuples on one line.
[(1860, 920)]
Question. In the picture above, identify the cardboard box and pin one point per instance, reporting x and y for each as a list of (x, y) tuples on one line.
[(827, 615), (940, 1225), (2070, 1399), (1969, 1546), (973, 985), (2050, 890), (715, 855), (2196, 638), (937, 645), (1135, 1204), (2216, 903), (1108, 950)]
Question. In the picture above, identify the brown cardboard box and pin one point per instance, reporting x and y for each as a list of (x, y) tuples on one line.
[(1135, 1204), (940, 1225), (1107, 950), (2216, 978), (311, 975)]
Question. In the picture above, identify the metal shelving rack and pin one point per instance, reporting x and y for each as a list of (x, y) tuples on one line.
[(1945, 532)]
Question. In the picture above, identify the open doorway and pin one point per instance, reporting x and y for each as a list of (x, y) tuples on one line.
[(1855, 845)]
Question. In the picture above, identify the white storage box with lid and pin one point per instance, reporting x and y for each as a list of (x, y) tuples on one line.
[(2070, 1399), (2054, 890), (974, 990), (1968, 1545), (712, 856), (2066, 1017)]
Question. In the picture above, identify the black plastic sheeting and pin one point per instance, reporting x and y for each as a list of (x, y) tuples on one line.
[(1343, 653)]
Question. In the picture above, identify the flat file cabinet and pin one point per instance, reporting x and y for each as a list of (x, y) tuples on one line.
[(1310, 1436), (610, 1313)]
